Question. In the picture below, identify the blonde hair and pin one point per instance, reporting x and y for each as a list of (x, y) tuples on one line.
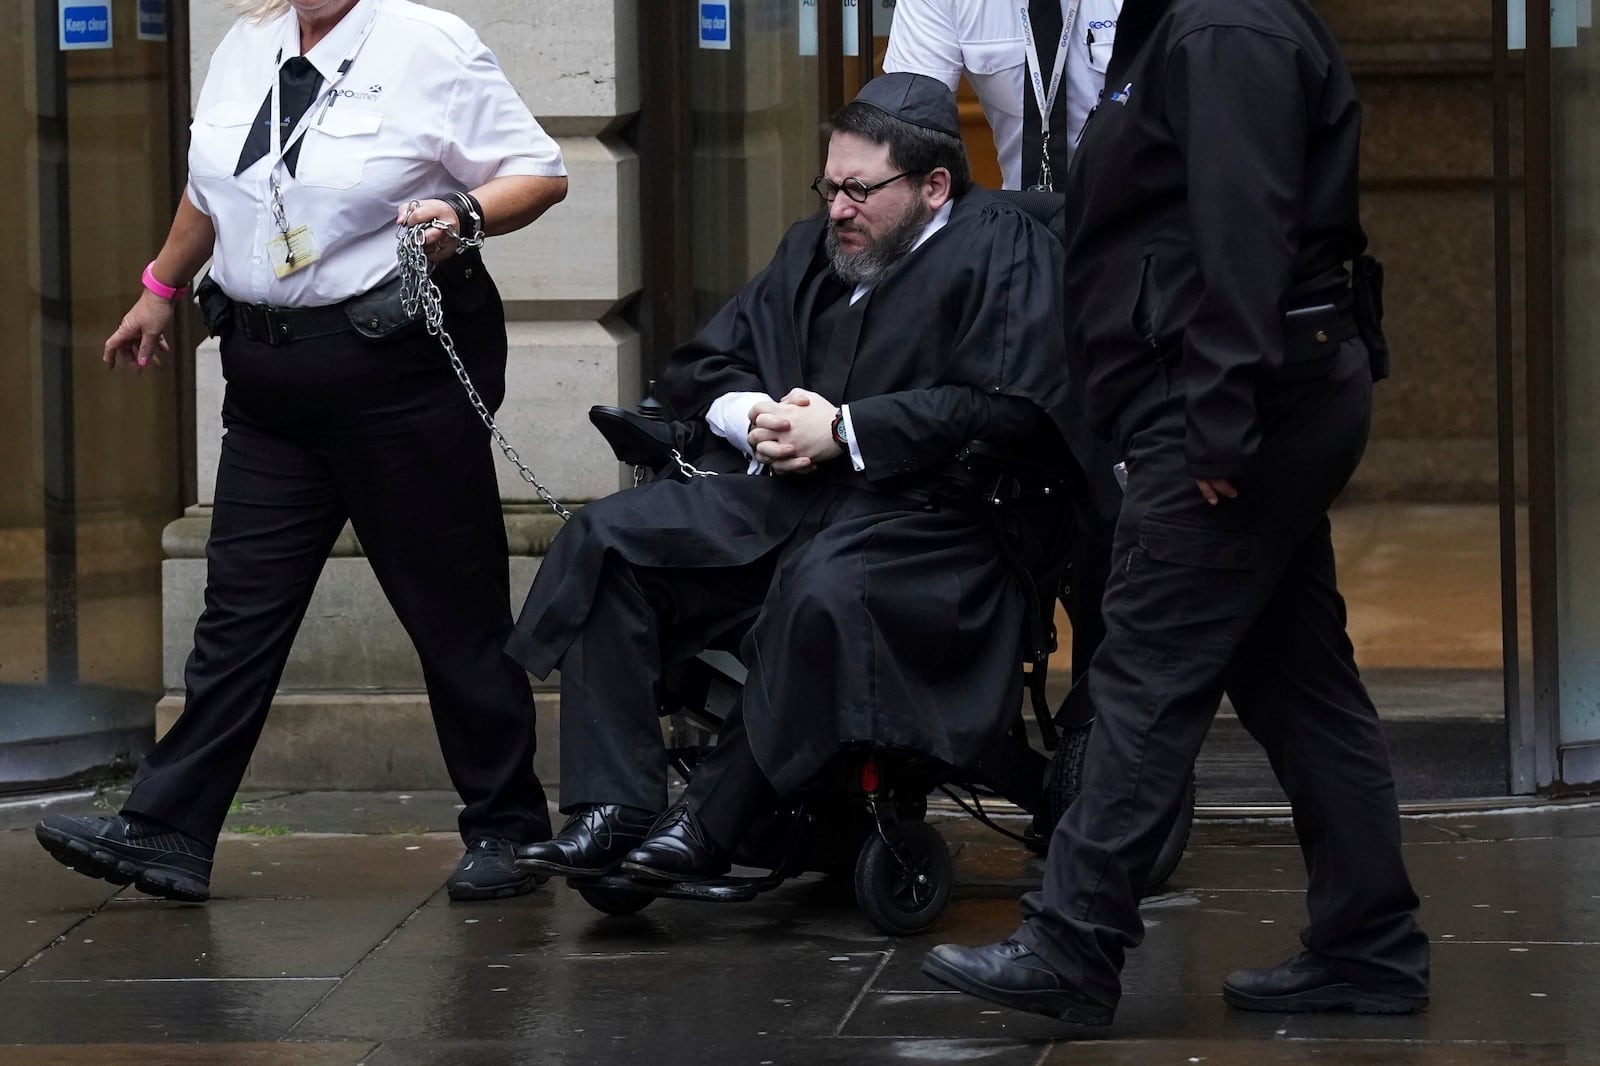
[(258, 10)]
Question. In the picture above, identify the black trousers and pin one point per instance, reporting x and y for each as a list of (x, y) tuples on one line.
[(1242, 598), (611, 745), (1091, 548), (317, 432)]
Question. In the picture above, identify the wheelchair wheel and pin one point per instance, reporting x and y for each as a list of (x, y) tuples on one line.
[(899, 901), (613, 901), (1066, 781)]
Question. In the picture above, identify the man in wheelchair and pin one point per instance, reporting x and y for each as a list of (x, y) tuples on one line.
[(914, 314)]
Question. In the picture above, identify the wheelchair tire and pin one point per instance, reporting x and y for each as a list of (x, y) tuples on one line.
[(616, 903), (898, 903), (1066, 781)]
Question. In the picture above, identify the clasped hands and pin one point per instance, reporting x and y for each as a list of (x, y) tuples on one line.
[(794, 434)]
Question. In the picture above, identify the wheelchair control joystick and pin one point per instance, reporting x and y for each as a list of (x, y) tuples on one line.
[(650, 407)]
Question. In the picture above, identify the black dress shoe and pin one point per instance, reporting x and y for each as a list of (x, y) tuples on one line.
[(155, 859), (1009, 974), (677, 849), (592, 843), (1304, 983)]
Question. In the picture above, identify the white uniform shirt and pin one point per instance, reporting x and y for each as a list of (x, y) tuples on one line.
[(983, 38), (424, 109)]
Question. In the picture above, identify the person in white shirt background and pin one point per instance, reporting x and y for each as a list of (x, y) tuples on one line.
[(1027, 59), (319, 123), (1061, 73)]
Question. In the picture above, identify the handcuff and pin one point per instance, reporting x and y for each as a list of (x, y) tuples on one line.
[(469, 219)]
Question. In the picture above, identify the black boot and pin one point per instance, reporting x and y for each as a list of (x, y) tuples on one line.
[(678, 849), (593, 841), (1009, 974), (1304, 983)]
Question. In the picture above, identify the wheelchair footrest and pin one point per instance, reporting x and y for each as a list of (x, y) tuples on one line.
[(718, 890)]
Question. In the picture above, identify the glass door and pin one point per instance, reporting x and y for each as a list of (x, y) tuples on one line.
[(92, 463), (1575, 110), (729, 139)]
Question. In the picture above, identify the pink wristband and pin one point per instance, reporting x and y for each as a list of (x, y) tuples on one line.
[(154, 284)]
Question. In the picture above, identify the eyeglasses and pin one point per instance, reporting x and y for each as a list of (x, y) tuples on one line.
[(854, 188)]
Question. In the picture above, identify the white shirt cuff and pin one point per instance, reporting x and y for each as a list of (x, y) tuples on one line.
[(850, 438), (729, 418)]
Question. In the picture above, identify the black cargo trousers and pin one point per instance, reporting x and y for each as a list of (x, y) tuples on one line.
[(1239, 598)]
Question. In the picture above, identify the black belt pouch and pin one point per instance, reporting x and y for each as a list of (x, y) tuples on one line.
[(215, 307), (464, 288)]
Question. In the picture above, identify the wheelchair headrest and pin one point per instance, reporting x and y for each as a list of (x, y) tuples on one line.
[(1047, 207)]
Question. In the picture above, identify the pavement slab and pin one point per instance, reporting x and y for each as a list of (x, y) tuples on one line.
[(210, 1054), (323, 947), (39, 907)]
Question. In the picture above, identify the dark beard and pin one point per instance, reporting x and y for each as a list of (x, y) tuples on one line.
[(869, 265)]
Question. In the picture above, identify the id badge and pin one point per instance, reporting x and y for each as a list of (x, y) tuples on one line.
[(292, 252)]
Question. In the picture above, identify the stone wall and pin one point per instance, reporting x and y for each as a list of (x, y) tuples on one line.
[(1425, 78)]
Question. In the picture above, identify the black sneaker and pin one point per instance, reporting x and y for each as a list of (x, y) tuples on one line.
[(489, 870), (127, 850)]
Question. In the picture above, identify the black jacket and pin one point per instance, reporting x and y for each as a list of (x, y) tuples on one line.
[(1218, 170)]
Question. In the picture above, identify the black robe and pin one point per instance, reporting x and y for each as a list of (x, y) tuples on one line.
[(891, 617)]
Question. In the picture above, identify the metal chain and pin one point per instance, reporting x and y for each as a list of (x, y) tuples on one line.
[(419, 293), (687, 469)]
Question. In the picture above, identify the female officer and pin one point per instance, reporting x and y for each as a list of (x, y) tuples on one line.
[(319, 121)]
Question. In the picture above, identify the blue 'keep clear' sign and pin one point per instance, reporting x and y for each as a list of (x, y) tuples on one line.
[(714, 26), (85, 25)]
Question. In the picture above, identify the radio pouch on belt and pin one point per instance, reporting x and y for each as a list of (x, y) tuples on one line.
[(1366, 286), (215, 307)]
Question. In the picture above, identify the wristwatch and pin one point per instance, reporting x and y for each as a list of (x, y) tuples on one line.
[(837, 430)]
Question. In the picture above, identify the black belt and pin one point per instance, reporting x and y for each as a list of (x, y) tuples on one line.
[(285, 325)]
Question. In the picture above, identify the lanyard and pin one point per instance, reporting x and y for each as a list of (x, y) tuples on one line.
[(1046, 99), (280, 147)]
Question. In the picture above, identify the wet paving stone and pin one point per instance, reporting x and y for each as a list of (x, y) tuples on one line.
[(257, 866), (23, 811), (342, 949), (1564, 821), (90, 1011), (542, 966), (1489, 993), (406, 813), (135, 938), (39, 899), (712, 1049), (1293, 1052), (266, 1054), (1256, 832)]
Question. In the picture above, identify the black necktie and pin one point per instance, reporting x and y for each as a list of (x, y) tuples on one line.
[(298, 82), (1046, 16)]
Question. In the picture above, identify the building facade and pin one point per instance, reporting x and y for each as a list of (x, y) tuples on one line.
[(690, 133)]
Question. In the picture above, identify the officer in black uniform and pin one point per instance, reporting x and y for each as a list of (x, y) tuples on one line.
[(1226, 352)]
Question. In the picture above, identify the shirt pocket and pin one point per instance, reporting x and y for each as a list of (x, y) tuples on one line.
[(1099, 37), (998, 72), (218, 136), (1100, 53), (336, 148)]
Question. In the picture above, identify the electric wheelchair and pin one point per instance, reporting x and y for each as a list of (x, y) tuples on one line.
[(863, 817)]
